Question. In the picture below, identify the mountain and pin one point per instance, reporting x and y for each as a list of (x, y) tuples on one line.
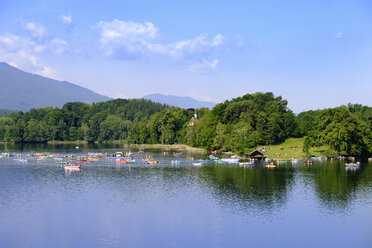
[(6, 112), (179, 101), (22, 91)]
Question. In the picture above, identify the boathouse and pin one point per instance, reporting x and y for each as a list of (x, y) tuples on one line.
[(257, 154)]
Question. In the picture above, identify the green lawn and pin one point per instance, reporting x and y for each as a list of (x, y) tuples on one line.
[(291, 148)]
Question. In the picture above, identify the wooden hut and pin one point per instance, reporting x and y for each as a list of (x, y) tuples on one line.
[(257, 154)]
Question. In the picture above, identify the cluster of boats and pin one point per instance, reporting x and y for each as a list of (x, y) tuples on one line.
[(74, 162)]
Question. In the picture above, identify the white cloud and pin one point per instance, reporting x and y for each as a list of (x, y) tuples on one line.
[(23, 53), (131, 40), (24, 58), (36, 30), (48, 72), (240, 41), (339, 35), (66, 19), (58, 46), (204, 66)]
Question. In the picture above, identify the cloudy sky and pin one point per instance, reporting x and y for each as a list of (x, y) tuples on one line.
[(315, 53)]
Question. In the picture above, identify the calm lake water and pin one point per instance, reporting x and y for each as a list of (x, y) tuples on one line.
[(115, 205)]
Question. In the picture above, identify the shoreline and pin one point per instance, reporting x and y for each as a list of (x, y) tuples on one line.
[(57, 142), (182, 147)]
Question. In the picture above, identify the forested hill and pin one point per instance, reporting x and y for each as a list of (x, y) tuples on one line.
[(345, 130), (239, 125), (245, 122), (103, 121), (22, 91)]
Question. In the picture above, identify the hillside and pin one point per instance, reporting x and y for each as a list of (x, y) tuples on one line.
[(179, 101), (22, 91), (5, 112)]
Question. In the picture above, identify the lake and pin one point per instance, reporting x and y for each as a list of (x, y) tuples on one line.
[(107, 204)]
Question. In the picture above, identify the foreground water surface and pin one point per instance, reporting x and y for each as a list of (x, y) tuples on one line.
[(106, 204)]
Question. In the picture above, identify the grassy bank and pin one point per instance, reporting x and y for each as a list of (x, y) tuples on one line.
[(291, 148)]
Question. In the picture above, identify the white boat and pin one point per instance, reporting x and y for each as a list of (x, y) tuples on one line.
[(230, 160), (197, 164), (72, 167), (352, 164)]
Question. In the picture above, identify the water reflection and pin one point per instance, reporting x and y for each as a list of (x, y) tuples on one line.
[(335, 186), (139, 205), (256, 188)]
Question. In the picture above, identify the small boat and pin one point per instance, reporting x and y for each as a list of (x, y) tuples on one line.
[(61, 162), (72, 167), (352, 166), (230, 160), (153, 162), (308, 162), (147, 158), (122, 161), (220, 162), (271, 165), (197, 164), (213, 157), (246, 164), (281, 161), (357, 164), (93, 158), (175, 162)]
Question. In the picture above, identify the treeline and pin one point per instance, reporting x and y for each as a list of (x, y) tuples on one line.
[(111, 120), (237, 125), (345, 130)]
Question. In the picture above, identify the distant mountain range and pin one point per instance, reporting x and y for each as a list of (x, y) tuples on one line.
[(179, 101), (21, 90)]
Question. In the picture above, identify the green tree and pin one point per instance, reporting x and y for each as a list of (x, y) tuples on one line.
[(344, 132), (93, 129)]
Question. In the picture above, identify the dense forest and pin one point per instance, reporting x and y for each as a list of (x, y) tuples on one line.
[(237, 125)]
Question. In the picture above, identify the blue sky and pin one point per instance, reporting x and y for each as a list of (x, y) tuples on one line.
[(315, 54)]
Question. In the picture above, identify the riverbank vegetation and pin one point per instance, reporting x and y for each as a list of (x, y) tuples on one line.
[(239, 125)]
